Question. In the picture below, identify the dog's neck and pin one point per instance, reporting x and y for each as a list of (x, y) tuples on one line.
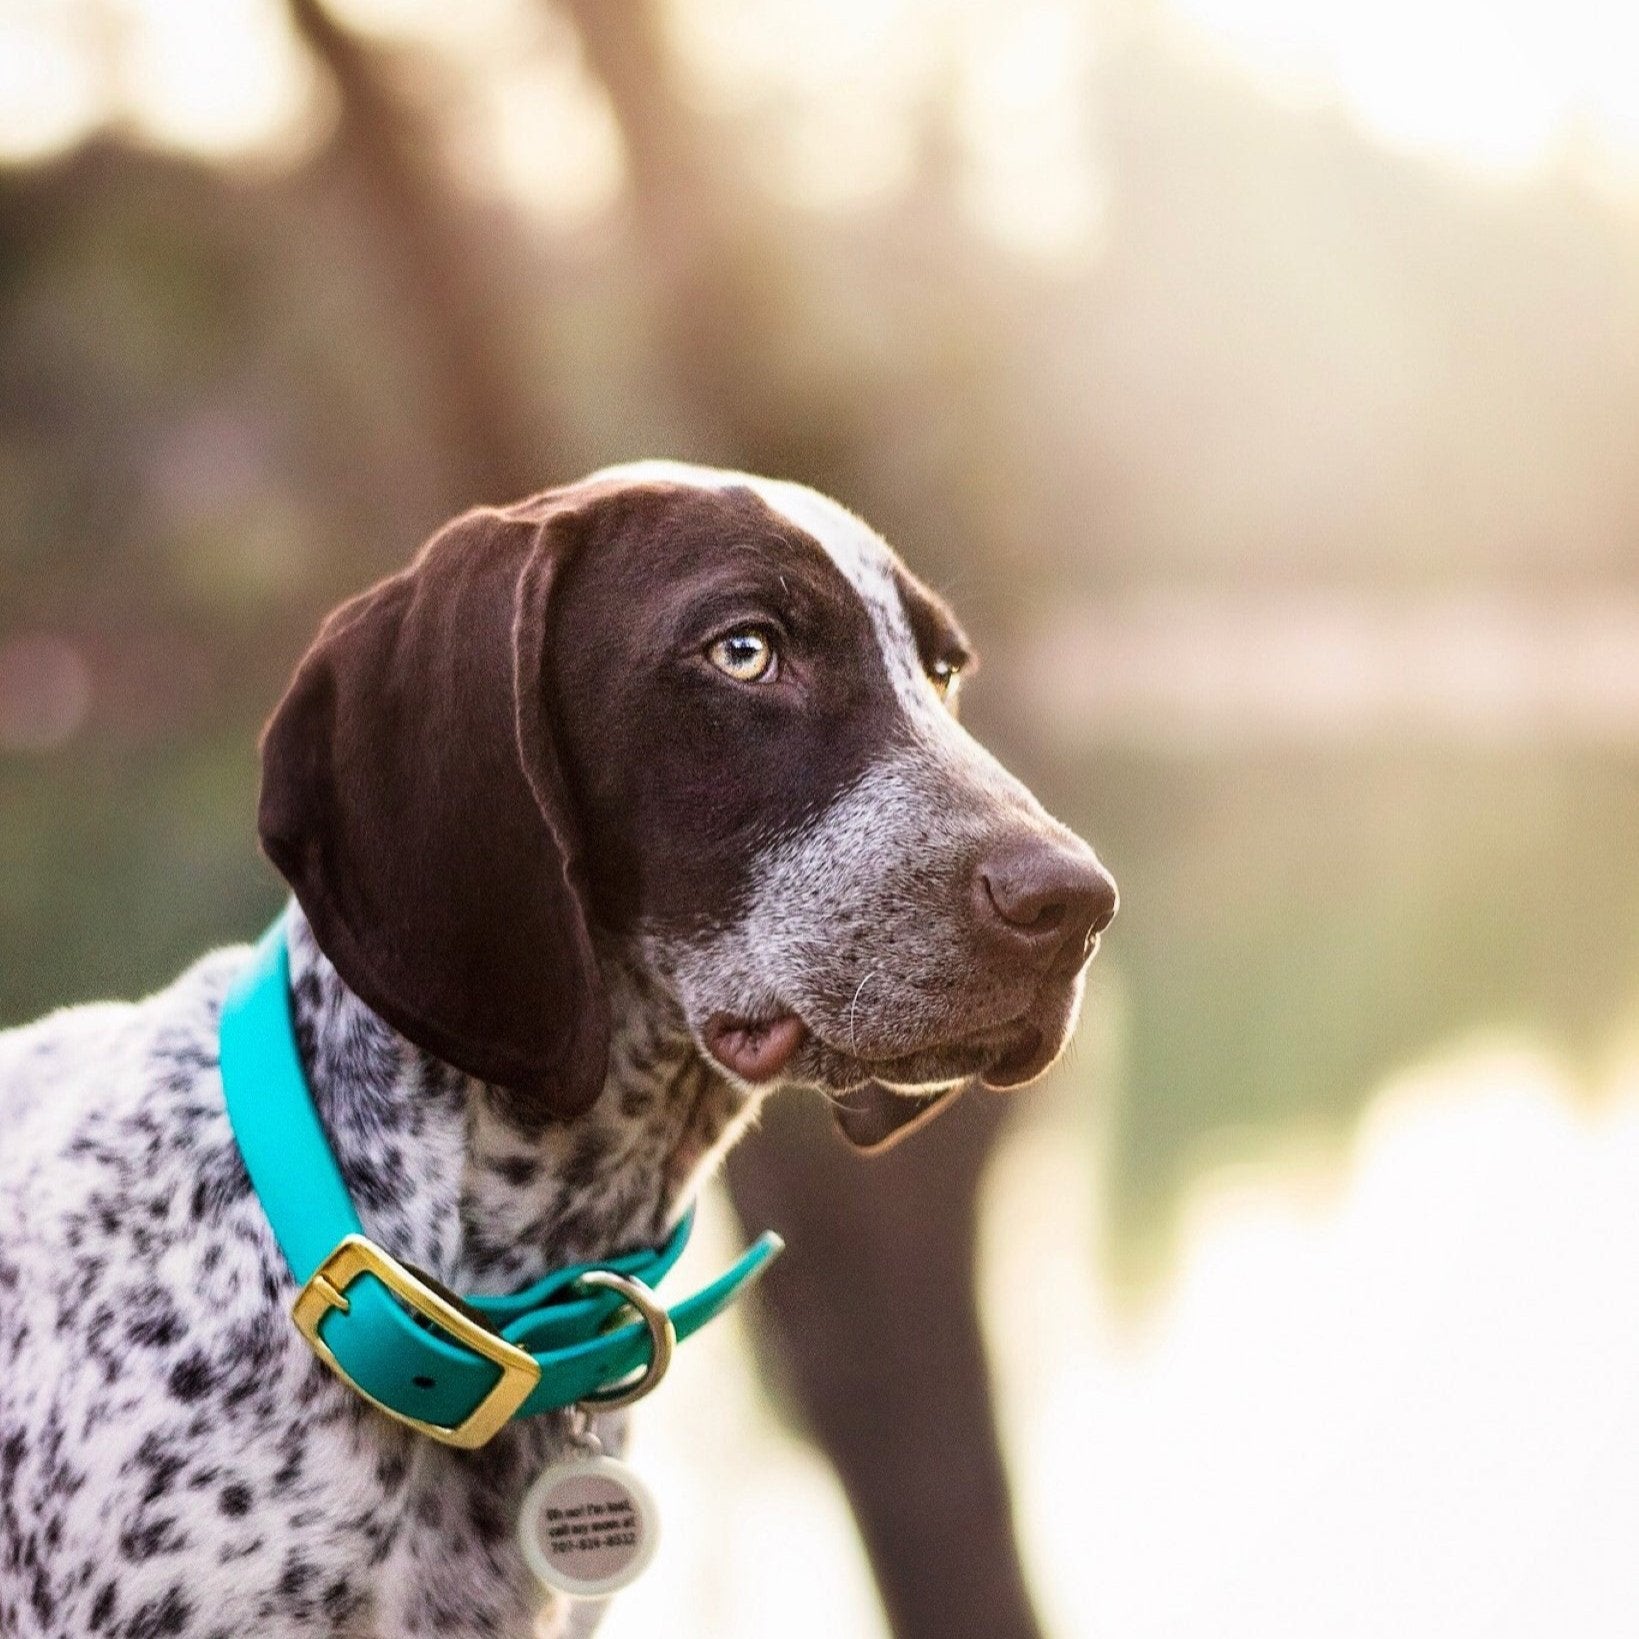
[(442, 1176)]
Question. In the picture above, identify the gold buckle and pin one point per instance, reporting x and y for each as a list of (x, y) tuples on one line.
[(356, 1255)]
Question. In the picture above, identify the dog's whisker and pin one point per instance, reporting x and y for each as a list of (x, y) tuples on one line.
[(853, 1034)]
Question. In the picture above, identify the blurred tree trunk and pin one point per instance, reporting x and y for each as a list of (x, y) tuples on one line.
[(477, 412), (876, 1319), (723, 285), (680, 214)]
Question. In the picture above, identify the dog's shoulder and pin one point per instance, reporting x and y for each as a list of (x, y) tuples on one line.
[(128, 1225), (101, 1065)]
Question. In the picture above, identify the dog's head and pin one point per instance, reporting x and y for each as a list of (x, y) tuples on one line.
[(708, 717)]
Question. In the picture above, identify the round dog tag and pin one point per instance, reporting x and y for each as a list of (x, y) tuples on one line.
[(588, 1525)]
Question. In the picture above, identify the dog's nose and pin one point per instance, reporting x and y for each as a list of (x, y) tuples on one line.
[(1044, 898)]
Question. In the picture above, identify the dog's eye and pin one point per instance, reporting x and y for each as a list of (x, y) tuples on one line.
[(748, 655), (945, 675)]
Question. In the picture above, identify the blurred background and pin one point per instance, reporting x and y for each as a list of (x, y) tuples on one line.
[(1260, 378)]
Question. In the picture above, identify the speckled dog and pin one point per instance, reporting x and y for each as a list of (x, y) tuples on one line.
[(617, 808)]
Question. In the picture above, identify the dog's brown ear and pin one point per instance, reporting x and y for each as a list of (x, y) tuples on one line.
[(874, 1118), (412, 798)]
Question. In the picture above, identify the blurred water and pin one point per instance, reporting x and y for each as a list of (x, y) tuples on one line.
[(1391, 1393), (1299, 927)]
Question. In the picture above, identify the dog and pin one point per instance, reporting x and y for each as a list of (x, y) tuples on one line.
[(618, 808)]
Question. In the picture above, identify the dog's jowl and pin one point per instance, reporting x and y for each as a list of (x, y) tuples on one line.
[(617, 809)]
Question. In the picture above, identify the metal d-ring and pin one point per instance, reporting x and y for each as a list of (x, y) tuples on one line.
[(662, 1338)]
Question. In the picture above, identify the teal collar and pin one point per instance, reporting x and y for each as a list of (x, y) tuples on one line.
[(456, 1369)]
